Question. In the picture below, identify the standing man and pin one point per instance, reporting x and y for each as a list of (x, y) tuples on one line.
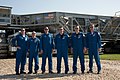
[(93, 41), (77, 44), (20, 42), (34, 48), (46, 42), (61, 44)]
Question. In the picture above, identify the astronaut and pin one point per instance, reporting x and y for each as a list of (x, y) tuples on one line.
[(77, 47), (93, 45), (34, 48), (61, 44), (46, 41), (20, 42)]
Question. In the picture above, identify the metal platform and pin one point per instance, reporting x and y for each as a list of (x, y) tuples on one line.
[(108, 26)]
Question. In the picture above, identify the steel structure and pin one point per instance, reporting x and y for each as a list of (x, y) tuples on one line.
[(108, 26)]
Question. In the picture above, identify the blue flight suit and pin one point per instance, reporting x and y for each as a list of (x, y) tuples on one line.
[(34, 48), (61, 44), (78, 44), (20, 41), (93, 42), (46, 42)]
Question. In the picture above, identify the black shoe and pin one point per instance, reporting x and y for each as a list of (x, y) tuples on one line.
[(43, 72), (29, 72), (22, 72), (51, 72), (58, 72), (74, 72), (98, 72), (89, 71), (82, 72), (66, 72), (17, 73), (35, 72)]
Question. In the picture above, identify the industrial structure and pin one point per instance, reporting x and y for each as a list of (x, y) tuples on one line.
[(108, 26)]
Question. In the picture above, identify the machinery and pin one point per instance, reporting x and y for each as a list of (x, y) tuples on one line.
[(108, 26)]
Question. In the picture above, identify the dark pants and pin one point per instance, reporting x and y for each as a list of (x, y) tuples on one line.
[(20, 59), (44, 56), (61, 54), (34, 56), (97, 60), (77, 54)]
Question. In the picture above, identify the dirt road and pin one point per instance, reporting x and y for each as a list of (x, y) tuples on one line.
[(110, 71)]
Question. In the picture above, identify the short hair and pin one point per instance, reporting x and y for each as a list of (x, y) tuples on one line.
[(77, 26), (33, 32), (23, 29), (61, 27), (46, 27), (91, 24)]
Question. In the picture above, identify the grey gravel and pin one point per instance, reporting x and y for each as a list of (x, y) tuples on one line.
[(110, 71)]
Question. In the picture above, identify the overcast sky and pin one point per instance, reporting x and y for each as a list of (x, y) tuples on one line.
[(94, 7)]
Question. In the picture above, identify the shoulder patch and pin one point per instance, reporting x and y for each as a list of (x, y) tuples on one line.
[(83, 35), (98, 33)]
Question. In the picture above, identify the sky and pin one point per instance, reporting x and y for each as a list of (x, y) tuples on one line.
[(93, 7)]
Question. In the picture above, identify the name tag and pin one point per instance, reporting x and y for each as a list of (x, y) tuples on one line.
[(25, 39)]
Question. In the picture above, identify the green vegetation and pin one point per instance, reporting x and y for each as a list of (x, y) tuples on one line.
[(108, 56)]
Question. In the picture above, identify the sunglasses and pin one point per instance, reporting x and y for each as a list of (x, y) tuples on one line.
[(91, 27), (76, 28), (46, 29), (60, 29)]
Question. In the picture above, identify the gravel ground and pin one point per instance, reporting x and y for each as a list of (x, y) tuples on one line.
[(110, 71)]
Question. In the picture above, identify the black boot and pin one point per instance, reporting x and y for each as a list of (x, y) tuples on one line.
[(98, 72), (89, 71), (66, 72), (74, 72), (35, 72), (51, 72), (43, 72), (22, 72), (58, 72), (29, 72), (17, 73)]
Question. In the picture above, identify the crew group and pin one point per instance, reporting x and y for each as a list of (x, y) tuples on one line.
[(78, 43)]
